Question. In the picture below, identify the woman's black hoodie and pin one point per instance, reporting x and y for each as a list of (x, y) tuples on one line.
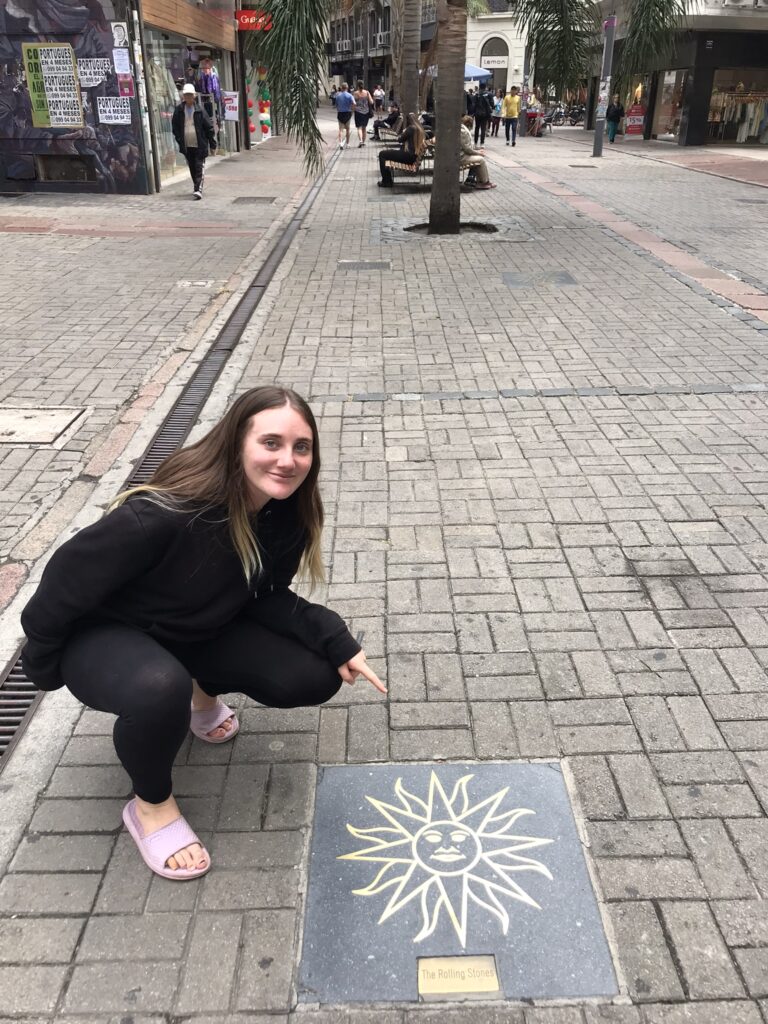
[(175, 576)]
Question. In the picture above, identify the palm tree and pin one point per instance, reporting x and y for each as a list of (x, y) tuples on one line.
[(445, 201), (564, 38), (411, 54)]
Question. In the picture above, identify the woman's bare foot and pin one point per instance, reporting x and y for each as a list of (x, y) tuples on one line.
[(201, 701), (154, 817)]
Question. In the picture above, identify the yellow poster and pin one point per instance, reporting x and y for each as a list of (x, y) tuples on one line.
[(54, 91)]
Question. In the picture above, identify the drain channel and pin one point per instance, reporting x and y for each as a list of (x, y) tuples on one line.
[(18, 696)]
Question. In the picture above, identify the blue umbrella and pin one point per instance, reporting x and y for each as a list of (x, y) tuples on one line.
[(470, 71)]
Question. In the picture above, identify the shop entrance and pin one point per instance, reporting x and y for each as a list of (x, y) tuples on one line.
[(669, 105)]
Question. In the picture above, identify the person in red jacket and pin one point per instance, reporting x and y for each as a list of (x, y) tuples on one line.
[(181, 593)]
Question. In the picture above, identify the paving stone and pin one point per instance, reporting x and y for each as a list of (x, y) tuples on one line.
[(332, 737), (269, 952), (751, 838), (596, 788), (234, 850), (533, 729), (716, 859), (31, 988), (250, 888), (641, 793), (707, 968), (368, 735), (696, 725), (100, 988), (126, 882), (753, 964), (492, 730), (77, 783), (645, 959), (734, 1012), (48, 893), (243, 800), (48, 940), (78, 816), (710, 800), (215, 940), (648, 878), (62, 853), (636, 839), (430, 744), (430, 714), (290, 796), (134, 937)]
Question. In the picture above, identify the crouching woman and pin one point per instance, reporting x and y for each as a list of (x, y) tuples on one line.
[(180, 594)]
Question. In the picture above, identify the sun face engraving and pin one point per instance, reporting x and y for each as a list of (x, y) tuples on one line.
[(447, 853)]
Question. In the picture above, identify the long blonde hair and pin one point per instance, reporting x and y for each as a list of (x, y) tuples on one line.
[(419, 138), (210, 474)]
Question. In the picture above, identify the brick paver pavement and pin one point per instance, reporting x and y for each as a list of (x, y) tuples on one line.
[(547, 515)]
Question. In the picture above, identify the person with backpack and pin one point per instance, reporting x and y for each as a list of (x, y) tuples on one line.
[(483, 111)]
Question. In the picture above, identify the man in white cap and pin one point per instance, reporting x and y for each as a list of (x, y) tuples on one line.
[(194, 134)]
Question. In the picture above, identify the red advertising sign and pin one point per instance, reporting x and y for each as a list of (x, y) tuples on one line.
[(634, 120), (253, 21)]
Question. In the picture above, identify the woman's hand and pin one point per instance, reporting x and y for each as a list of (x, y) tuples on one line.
[(358, 666)]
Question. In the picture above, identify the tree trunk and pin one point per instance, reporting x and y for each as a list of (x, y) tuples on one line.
[(411, 57), (445, 202)]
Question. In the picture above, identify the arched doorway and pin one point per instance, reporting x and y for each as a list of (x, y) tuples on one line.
[(494, 57)]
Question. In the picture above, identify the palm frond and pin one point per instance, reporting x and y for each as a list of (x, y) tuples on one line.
[(565, 35), (650, 37), (294, 53)]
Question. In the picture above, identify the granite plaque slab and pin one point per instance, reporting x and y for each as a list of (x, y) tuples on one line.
[(413, 861)]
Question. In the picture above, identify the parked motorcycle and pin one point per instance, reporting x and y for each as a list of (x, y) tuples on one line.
[(576, 114)]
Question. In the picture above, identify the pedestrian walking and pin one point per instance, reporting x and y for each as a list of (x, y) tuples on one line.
[(332, 95), (469, 102), (510, 111), (496, 116), (363, 110), (483, 111), (613, 116), (378, 98), (181, 593), (194, 134), (412, 143), (345, 104)]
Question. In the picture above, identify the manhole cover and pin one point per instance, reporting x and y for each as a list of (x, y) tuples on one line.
[(364, 265), (416, 869), (558, 277), (254, 199), (36, 426)]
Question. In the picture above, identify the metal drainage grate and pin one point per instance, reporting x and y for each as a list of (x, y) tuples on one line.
[(584, 167), (19, 697), (254, 199), (754, 202)]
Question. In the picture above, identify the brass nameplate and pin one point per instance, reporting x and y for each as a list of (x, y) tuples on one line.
[(462, 977)]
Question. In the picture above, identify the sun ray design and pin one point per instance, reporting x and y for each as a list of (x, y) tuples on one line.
[(445, 853)]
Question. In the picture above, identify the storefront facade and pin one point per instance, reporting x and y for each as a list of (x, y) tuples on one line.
[(712, 90), (71, 117), (87, 91)]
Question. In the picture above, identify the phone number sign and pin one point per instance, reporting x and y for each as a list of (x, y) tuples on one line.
[(54, 91)]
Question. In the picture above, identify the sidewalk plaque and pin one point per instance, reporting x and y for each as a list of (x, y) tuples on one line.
[(449, 881)]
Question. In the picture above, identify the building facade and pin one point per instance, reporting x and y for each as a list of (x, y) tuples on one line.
[(494, 43), (88, 87), (714, 88)]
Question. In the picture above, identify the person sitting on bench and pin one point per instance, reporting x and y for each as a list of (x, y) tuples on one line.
[(470, 157), (412, 143), (386, 122)]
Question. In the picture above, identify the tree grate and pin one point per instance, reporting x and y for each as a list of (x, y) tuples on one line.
[(18, 696)]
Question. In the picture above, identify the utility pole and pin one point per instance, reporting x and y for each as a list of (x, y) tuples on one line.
[(604, 92)]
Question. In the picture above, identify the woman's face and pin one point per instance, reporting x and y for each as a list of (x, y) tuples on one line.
[(277, 454)]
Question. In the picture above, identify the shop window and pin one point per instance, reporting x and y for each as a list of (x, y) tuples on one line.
[(669, 105), (494, 57), (738, 107)]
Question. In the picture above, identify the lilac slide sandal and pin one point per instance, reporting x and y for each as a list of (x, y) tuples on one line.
[(203, 722), (156, 848)]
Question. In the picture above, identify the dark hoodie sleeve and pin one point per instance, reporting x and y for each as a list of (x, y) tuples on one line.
[(84, 571), (287, 614)]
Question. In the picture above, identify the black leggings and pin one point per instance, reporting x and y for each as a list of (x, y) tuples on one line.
[(398, 156), (148, 686)]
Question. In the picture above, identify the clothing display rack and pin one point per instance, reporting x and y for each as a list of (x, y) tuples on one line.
[(738, 117)]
